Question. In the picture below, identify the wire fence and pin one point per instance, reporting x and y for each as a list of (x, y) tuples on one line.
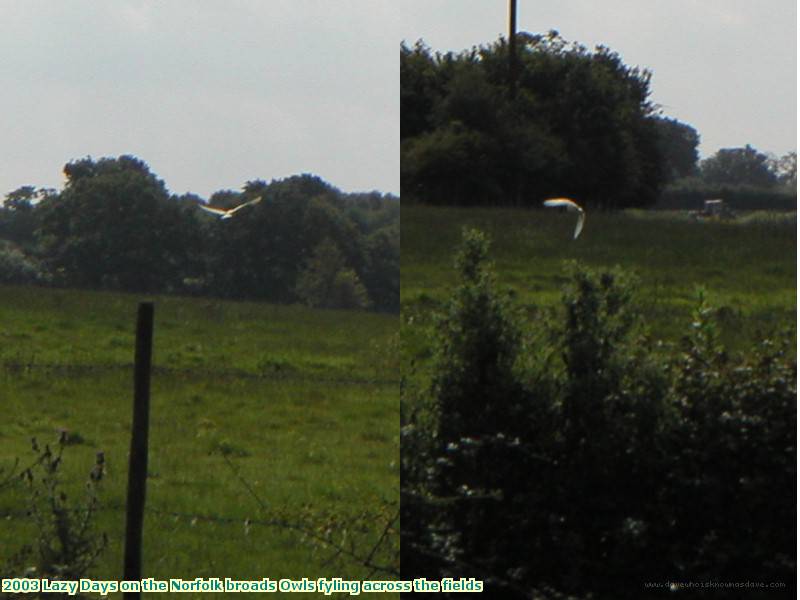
[(367, 538), (269, 374)]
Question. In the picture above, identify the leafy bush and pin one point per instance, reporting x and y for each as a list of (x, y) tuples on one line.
[(575, 456), (733, 457), (475, 407)]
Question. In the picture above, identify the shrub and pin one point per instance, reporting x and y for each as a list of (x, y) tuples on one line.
[(602, 461), (733, 457)]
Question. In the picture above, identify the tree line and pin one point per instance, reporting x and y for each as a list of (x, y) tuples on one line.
[(115, 226), (579, 123)]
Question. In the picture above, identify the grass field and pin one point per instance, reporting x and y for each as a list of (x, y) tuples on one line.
[(282, 415), (746, 266)]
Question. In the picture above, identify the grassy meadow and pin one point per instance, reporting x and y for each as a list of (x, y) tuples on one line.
[(746, 266), (280, 415)]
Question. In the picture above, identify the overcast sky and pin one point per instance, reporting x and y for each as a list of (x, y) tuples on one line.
[(213, 93), (726, 67), (210, 93)]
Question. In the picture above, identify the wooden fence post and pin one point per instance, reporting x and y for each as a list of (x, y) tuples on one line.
[(137, 465)]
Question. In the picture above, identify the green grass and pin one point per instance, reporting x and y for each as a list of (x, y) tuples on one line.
[(97, 328), (302, 403), (746, 267)]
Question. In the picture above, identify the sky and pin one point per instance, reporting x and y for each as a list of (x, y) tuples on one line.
[(209, 93), (728, 68), (214, 93)]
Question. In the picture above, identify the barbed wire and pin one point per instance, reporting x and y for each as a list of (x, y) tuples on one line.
[(271, 374), (389, 526), (392, 525)]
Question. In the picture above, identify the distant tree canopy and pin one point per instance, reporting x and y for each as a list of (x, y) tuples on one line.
[(785, 169), (17, 221), (580, 124), (116, 226), (113, 226), (739, 166), (745, 178)]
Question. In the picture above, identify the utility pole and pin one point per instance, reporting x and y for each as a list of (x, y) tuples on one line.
[(512, 82), (512, 48)]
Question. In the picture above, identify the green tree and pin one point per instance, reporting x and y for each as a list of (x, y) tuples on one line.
[(18, 219), (261, 253), (785, 169), (419, 83), (382, 269), (225, 199), (678, 144), (451, 165), (21, 199), (580, 124), (738, 166), (114, 226), (326, 282), (347, 291)]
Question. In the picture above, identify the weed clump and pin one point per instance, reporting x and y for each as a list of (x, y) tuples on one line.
[(66, 545)]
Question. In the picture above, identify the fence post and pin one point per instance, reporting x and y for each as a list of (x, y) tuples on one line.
[(137, 465)]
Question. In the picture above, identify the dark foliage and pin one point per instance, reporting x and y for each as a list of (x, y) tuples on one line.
[(738, 166), (578, 458), (17, 221), (678, 144), (579, 125), (115, 226)]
